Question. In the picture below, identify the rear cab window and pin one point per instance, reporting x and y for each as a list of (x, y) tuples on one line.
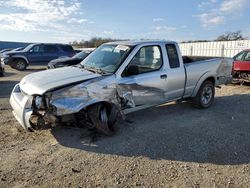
[(174, 61)]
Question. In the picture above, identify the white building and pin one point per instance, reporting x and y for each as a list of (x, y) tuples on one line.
[(214, 49)]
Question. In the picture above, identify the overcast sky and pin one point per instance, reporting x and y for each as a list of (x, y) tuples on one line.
[(68, 20)]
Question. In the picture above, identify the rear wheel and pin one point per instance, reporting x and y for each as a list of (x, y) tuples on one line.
[(103, 117), (20, 64), (205, 95)]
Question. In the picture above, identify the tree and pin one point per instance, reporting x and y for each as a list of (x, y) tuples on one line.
[(237, 35), (195, 41), (92, 43)]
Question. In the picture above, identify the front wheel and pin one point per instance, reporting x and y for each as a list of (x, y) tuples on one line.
[(103, 118), (205, 95), (20, 65)]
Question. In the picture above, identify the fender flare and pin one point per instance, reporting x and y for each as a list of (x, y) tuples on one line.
[(21, 57), (204, 77)]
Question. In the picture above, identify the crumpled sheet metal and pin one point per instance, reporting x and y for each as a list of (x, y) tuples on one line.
[(140, 94), (72, 99)]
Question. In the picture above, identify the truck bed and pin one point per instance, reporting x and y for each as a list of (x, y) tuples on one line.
[(222, 67), (191, 59)]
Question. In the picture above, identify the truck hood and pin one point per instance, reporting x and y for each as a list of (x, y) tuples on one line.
[(41, 82)]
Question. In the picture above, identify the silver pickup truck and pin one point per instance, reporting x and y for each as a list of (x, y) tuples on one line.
[(117, 78)]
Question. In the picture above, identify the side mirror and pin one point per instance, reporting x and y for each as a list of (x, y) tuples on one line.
[(31, 51), (132, 70)]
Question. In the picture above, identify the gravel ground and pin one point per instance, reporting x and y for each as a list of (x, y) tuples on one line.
[(172, 145)]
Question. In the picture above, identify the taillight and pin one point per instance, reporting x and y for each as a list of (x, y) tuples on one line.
[(233, 68)]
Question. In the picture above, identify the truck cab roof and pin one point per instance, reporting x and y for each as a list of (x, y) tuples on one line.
[(135, 43)]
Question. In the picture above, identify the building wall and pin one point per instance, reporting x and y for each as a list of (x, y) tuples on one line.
[(214, 49)]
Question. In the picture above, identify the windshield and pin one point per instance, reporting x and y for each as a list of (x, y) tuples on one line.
[(18, 49), (107, 58), (239, 56), (81, 55), (28, 48)]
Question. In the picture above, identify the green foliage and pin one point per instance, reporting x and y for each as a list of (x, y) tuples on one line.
[(229, 36)]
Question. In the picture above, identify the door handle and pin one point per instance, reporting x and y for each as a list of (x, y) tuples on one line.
[(164, 76)]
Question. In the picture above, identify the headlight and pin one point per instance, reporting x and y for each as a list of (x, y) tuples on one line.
[(38, 101), (28, 104)]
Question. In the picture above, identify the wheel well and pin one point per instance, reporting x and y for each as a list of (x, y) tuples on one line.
[(15, 59), (101, 102), (210, 79), (109, 105)]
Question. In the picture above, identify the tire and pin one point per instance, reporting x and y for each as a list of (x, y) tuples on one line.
[(20, 64), (205, 96), (103, 118)]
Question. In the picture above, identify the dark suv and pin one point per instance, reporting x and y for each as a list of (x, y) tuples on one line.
[(37, 54)]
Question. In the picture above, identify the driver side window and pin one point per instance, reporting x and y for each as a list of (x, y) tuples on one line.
[(147, 59), (37, 49)]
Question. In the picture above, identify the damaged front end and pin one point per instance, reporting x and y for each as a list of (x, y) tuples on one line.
[(94, 104), (30, 111)]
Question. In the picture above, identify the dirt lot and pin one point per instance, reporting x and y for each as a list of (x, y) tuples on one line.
[(173, 145)]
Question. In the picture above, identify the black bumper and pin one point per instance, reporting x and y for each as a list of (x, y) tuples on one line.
[(8, 61)]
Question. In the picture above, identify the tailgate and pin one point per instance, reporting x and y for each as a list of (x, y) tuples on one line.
[(224, 71)]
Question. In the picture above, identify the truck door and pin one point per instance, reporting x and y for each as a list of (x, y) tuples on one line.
[(176, 73), (144, 80)]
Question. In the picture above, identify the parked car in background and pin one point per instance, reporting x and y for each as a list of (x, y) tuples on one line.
[(119, 77), (5, 50), (37, 54), (241, 66), (68, 61), (2, 70), (17, 49)]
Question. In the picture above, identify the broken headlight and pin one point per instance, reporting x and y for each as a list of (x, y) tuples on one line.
[(38, 102), (28, 104)]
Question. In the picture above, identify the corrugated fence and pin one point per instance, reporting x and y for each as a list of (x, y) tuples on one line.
[(214, 49)]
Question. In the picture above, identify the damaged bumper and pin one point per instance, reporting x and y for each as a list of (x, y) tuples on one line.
[(71, 104), (20, 105)]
